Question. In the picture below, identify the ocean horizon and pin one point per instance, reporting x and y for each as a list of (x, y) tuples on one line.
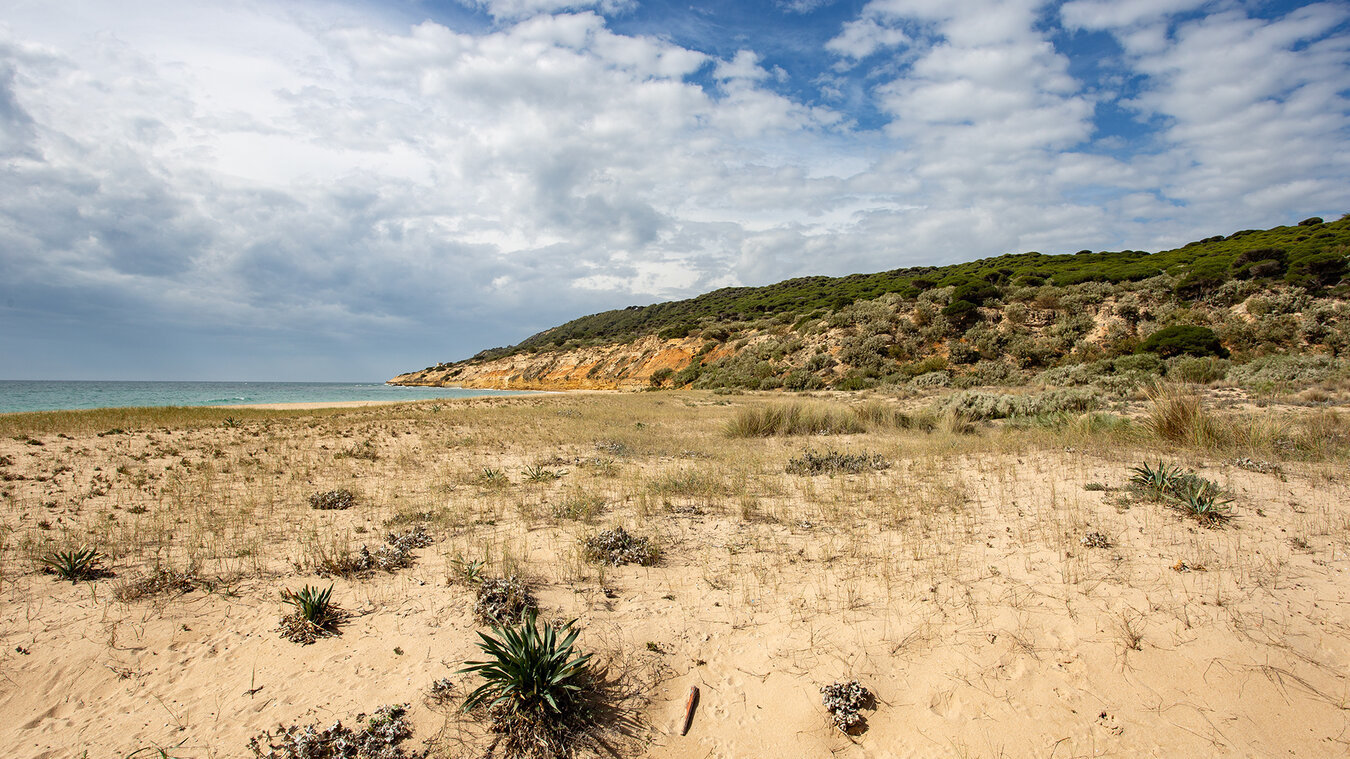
[(17, 396)]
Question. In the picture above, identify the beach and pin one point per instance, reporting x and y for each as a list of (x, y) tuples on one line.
[(1000, 589)]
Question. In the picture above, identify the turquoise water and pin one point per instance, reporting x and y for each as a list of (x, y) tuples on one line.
[(27, 395)]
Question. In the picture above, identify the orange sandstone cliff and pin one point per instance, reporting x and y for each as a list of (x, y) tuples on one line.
[(607, 367)]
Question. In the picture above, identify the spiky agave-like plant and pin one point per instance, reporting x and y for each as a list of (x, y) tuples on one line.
[(311, 604), (533, 676), (1158, 481), (74, 565)]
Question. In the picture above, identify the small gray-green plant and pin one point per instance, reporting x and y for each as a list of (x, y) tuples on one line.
[(833, 462), (1200, 498), (332, 500), (1187, 491), (1155, 481), (503, 600), (843, 700), (377, 737), (75, 565), (466, 571), (618, 546), (492, 478)]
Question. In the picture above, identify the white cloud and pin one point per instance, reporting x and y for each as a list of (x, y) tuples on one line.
[(1255, 110), (1117, 14), (863, 37), (517, 9)]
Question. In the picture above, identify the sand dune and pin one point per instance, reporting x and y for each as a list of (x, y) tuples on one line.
[(963, 585)]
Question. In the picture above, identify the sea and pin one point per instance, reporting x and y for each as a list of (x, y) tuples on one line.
[(34, 395)]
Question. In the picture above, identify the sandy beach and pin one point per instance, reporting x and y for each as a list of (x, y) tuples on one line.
[(1000, 590)]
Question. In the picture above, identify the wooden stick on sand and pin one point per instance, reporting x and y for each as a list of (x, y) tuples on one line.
[(689, 709)]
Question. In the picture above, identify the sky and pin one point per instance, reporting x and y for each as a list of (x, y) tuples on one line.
[(297, 190)]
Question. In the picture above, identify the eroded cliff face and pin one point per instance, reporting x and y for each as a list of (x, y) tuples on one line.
[(609, 367)]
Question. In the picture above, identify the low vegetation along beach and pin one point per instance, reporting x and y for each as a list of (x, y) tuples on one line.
[(1158, 571)]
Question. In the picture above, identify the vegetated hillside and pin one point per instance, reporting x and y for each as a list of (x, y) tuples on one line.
[(1110, 318)]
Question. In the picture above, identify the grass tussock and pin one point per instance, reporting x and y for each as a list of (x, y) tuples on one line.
[(794, 419), (1177, 415)]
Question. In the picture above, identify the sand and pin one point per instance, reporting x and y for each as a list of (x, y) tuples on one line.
[(961, 585)]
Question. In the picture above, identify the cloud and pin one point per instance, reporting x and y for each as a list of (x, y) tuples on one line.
[(864, 37), (1122, 14), (803, 6), (517, 9), (1255, 110)]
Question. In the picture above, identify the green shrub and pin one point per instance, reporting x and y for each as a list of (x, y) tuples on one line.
[(676, 331), (978, 406), (660, 376), (991, 373), (1196, 369), (1259, 262), (1298, 371), (854, 382), (961, 312), (687, 375), (1187, 339)]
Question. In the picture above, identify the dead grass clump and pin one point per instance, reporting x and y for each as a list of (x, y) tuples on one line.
[(332, 500), (364, 450), (692, 482), (376, 737), (618, 546), (503, 601), (580, 505), (160, 582), (834, 462), (793, 419)]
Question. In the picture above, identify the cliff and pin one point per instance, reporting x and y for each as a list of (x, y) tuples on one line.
[(608, 367)]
